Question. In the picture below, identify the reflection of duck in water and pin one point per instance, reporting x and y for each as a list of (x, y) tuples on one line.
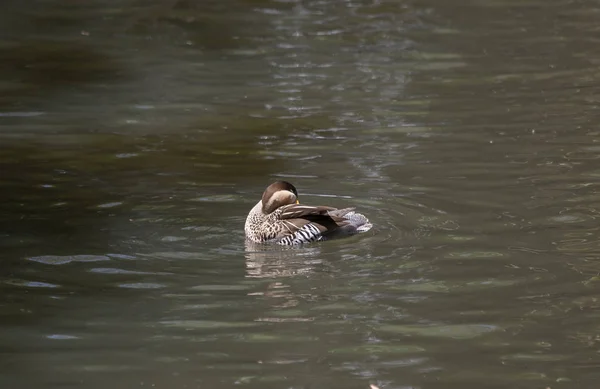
[(279, 218), (266, 261)]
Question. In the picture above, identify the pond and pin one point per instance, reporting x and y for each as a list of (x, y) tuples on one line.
[(136, 136)]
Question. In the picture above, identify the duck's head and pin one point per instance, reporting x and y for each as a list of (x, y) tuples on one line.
[(278, 194)]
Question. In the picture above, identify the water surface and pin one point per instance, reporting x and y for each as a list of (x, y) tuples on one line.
[(135, 137)]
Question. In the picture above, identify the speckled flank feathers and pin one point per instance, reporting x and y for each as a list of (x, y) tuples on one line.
[(278, 218)]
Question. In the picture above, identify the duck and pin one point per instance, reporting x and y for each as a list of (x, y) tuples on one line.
[(280, 218)]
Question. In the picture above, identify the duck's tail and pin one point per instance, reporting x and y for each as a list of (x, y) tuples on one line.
[(352, 222)]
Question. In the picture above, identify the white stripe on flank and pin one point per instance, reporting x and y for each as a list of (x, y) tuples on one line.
[(308, 233)]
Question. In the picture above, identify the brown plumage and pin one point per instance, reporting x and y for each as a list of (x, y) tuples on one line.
[(279, 218)]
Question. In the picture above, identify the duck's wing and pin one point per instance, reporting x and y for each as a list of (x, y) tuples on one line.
[(296, 217), (306, 223), (323, 220), (294, 211)]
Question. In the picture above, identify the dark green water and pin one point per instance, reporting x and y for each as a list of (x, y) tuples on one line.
[(135, 136)]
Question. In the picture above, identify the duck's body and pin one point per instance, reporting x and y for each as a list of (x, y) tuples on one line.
[(279, 218)]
